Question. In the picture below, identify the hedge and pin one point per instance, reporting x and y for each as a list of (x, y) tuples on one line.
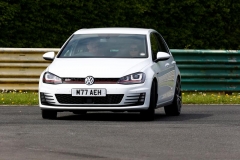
[(192, 24)]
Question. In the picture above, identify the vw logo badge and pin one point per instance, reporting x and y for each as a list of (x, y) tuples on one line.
[(89, 80)]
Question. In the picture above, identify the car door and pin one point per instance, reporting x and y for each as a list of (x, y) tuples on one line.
[(165, 69)]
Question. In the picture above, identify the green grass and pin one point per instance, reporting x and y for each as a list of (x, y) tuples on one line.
[(31, 98), (210, 98), (18, 98)]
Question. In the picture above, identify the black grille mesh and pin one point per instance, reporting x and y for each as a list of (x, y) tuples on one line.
[(69, 99)]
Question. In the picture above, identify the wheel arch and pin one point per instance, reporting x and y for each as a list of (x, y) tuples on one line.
[(156, 87), (179, 77)]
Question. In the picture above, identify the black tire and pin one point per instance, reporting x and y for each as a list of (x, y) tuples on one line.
[(175, 108), (149, 114), (47, 114)]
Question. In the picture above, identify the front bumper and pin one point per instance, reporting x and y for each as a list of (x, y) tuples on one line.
[(119, 97)]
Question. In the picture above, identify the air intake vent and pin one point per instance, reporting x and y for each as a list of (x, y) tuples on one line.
[(135, 99), (46, 98)]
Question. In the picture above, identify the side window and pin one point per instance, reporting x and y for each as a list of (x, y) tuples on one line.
[(162, 44), (154, 46)]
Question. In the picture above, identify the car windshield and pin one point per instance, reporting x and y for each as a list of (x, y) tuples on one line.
[(105, 46)]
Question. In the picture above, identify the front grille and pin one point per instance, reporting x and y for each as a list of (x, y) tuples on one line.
[(69, 99), (96, 80)]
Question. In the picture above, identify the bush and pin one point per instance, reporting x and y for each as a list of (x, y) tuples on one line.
[(195, 24)]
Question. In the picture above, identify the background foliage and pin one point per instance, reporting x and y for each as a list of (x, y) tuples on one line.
[(193, 24)]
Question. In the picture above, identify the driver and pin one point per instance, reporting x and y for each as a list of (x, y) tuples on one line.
[(134, 50), (93, 47)]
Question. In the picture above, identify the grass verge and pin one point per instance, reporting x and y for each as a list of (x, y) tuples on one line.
[(18, 98), (31, 98), (210, 98)]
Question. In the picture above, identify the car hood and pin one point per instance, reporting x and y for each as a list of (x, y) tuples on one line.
[(96, 67)]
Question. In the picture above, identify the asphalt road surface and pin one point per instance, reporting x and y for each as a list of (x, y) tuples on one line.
[(200, 132)]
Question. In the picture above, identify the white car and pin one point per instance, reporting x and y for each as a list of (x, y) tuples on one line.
[(111, 69)]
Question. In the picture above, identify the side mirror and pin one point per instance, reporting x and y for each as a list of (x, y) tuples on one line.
[(162, 56), (49, 56)]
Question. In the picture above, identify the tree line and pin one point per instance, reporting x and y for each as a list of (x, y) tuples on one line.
[(185, 24)]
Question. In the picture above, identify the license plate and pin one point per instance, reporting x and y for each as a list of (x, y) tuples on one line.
[(89, 92)]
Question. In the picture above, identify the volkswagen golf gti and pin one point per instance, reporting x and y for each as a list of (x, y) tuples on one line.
[(111, 69)]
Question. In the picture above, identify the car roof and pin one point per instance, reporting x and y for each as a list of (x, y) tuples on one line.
[(114, 30)]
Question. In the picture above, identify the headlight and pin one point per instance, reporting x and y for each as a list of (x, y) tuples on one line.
[(51, 78), (134, 78)]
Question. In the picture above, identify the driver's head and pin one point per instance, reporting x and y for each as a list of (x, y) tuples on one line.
[(92, 46), (134, 50)]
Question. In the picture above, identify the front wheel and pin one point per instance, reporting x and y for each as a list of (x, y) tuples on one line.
[(175, 108), (150, 112), (48, 114)]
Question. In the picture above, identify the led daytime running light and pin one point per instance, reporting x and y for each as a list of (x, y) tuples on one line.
[(134, 78), (51, 78)]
